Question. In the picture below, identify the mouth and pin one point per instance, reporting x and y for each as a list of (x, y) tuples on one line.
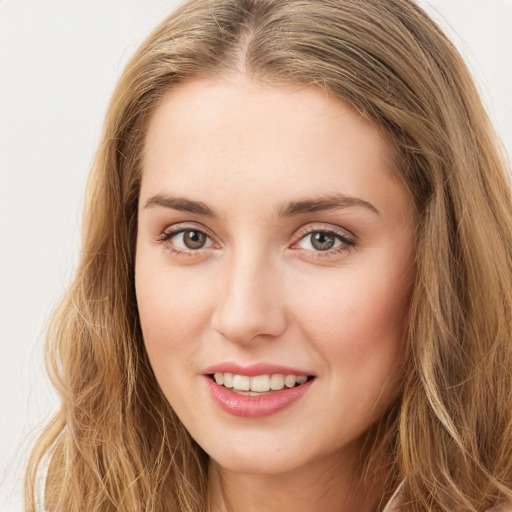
[(259, 389), (258, 385)]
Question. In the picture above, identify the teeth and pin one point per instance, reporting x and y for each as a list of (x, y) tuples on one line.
[(242, 382), (290, 380), (228, 380), (277, 382), (258, 383)]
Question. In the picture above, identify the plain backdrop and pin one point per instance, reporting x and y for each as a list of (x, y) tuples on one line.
[(59, 60)]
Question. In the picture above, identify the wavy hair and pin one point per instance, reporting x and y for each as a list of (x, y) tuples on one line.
[(117, 443)]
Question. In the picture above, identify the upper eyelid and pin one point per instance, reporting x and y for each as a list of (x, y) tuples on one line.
[(174, 229), (330, 228), (165, 236), (300, 233)]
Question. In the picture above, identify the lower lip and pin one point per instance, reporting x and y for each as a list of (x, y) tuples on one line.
[(247, 406)]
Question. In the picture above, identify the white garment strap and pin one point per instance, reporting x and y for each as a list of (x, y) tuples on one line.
[(42, 474), (391, 505)]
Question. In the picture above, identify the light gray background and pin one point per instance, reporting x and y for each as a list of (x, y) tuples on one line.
[(59, 60)]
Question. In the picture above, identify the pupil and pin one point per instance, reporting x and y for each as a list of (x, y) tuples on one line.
[(322, 241), (194, 239)]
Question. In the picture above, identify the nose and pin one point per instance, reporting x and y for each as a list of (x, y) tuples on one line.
[(250, 304)]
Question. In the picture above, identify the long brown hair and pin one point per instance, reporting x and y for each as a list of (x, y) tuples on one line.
[(117, 443)]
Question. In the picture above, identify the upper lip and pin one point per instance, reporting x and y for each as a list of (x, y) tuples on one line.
[(254, 369)]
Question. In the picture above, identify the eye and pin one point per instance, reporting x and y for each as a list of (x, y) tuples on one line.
[(320, 241), (191, 239), (181, 239), (328, 241)]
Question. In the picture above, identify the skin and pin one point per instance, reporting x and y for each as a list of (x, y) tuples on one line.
[(259, 290)]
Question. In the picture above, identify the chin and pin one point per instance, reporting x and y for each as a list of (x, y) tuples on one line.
[(245, 465), (256, 459)]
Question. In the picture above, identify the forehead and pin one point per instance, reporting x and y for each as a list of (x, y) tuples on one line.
[(240, 136), (190, 110)]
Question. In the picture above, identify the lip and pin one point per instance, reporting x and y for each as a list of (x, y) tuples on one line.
[(246, 406), (254, 369)]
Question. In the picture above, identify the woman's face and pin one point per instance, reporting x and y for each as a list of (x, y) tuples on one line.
[(274, 247)]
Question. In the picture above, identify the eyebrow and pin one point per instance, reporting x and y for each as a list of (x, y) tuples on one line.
[(332, 202), (180, 204), (290, 209)]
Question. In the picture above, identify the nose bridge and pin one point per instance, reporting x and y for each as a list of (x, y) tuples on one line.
[(250, 302)]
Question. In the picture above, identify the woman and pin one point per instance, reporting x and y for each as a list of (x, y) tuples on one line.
[(295, 284)]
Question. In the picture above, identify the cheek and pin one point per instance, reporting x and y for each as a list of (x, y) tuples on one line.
[(355, 312), (358, 318), (172, 312)]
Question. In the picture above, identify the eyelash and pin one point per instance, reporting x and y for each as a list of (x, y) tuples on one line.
[(347, 242), (170, 233)]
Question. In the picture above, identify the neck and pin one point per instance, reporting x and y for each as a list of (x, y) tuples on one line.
[(324, 486)]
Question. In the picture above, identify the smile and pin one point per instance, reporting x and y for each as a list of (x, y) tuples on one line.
[(258, 384), (257, 396)]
